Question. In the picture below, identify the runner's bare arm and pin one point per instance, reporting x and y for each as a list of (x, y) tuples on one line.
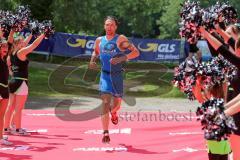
[(124, 44), (96, 50), (95, 54)]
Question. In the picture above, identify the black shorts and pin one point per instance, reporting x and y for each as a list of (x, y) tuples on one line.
[(4, 93), (193, 48), (15, 84), (217, 156)]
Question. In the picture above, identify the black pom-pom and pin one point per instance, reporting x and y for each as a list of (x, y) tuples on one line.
[(47, 28), (184, 76), (193, 16), (213, 72), (20, 19), (216, 125)]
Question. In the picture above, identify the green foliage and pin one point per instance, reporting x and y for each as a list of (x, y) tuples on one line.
[(169, 20), (136, 17), (7, 4), (235, 3), (139, 18), (41, 9)]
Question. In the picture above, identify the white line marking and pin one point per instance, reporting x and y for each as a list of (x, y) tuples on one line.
[(45, 114), (185, 133), (111, 131), (125, 116), (19, 148), (38, 131), (187, 149), (189, 117), (100, 149)]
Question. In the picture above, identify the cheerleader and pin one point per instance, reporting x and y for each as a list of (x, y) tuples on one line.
[(217, 150), (232, 106), (18, 86), (4, 94)]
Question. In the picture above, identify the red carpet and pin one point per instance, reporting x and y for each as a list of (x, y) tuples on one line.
[(139, 138)]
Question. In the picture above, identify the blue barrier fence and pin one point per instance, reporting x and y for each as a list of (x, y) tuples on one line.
[(70, 45)]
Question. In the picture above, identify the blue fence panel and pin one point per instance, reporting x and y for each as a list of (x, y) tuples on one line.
[(158, 50), (70, 45)]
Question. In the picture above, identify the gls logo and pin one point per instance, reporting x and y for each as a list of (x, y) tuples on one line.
[(155, 47), (80, 43)]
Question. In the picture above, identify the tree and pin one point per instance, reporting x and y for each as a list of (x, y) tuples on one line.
[(168, 22), (138, 17), (87, 16), (169, 27), (40, 9), (7, 4), (75, 16), (141, 18)]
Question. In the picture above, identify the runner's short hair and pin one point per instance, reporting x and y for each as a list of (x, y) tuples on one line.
[(112, 18)]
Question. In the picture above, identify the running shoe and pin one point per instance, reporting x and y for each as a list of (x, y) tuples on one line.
[(106, 138), (114, 118)]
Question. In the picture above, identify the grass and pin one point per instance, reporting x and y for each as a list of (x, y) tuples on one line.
[(174, 93), (139, 83), (38, 82)]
